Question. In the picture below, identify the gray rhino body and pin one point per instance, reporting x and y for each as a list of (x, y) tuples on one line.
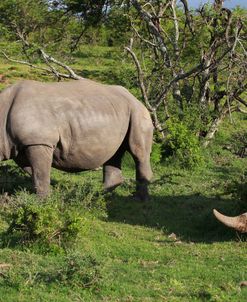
[(74, 126)]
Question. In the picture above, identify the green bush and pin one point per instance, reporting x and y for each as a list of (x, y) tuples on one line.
[(156, 154), (238, 143), (52, 224), (238, 189), (86, 195), (80, 270), (48, 224), (182, 146)]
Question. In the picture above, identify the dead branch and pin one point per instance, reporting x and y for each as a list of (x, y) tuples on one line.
[(141, 38), (50, 70), (143, 89), (154, 29), (50, 61), (215, 125), (176, 26), (242, 101), (241, 110), (189, 20), (47, 58), (140, 76), (24, 63)]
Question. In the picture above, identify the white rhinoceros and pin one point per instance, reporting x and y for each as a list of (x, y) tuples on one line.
[(75, 126)]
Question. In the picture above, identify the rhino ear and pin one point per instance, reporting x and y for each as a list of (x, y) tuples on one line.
[(239, 223)]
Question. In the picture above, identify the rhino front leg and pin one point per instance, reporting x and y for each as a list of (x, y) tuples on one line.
[(40, 159)]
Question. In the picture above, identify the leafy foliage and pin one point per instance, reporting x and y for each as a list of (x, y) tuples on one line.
[(50, 225), (238, 143), (55, 223), (156, 154), (182, 146), (82, 245)]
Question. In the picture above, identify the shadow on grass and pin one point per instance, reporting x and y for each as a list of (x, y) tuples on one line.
[(13, 178), (190, 217), (224, 172)]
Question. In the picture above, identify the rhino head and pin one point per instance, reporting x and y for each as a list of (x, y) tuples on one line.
[(239, 223)]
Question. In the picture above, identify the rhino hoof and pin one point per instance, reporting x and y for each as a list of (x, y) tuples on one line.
[(141, 197)]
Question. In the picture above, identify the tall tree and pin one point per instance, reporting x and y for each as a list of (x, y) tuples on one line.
[(182, 58)]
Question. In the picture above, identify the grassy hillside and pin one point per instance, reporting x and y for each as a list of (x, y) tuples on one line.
[(83, 245)]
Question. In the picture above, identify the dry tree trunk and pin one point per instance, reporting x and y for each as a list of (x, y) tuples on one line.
[(215, 126)]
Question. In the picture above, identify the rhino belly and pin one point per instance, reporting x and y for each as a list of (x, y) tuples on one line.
[(90, 133), (89, 150)]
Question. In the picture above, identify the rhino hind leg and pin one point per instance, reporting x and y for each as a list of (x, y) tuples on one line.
[(143, 177), (112, 173), (140, 145), (40, 159)]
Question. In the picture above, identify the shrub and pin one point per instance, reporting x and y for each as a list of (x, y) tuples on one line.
[(80, 270), (238, 189), (182, 145), (238, 143), (156, 154), (49, 224), (85, 195)]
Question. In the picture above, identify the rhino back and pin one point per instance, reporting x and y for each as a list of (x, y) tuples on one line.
[(84, 121)]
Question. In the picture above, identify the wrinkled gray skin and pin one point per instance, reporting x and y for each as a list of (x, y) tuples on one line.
[(75, 126)]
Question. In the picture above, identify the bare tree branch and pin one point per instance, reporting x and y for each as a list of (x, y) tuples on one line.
[(189, 19), (48, 58), (153, 29), (242, 101), (140, 76), (143, 88), (241, 110), (25, 63), (141, 38)]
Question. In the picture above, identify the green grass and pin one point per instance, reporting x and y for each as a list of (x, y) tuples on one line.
[(137, 259), (169, 249), (105, 64)]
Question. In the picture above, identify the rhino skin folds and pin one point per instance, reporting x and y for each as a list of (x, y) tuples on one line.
[(75, 126)]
